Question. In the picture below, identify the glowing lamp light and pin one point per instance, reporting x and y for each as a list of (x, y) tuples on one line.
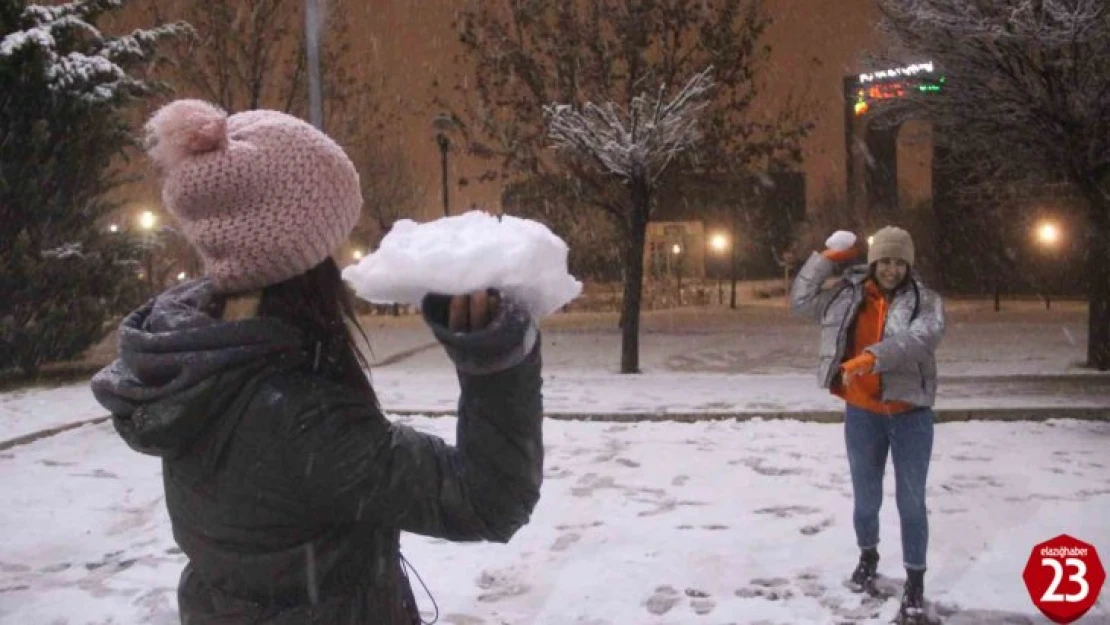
[(182, 276), (719, 242), (357, 254), (113, 228), (147, 220), (1048, 233), (677, 249)]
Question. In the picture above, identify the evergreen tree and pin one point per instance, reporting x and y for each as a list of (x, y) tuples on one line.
[(65, 88)]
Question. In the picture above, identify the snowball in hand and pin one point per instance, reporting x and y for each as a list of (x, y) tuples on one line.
[(840, 240), (466, 253)]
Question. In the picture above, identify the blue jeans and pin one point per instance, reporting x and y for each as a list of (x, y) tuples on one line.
[(909, 438)]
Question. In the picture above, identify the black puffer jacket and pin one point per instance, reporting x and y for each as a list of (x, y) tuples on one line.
[(288, 492)]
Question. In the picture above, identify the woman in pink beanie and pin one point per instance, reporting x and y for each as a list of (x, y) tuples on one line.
[(286, 487)]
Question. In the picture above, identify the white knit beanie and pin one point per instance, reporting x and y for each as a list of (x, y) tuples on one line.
[(891, 242)]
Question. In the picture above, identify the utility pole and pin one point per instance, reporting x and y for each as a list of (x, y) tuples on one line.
[(312, 46)]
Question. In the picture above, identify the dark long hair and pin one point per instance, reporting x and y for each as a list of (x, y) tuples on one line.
[(318, 304)]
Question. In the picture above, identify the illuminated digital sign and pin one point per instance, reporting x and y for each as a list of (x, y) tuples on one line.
[(891, 83), (897, 72)]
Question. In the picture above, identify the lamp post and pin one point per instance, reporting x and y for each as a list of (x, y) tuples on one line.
[(312, 50), (677, 251), (1048, 235), (734, 258), (443, 123), (147, 222), (718, 243), (785, 260)]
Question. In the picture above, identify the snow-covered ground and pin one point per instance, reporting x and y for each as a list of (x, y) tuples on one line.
[(568, 392), (1021, 340), (754, 360), (656, 393), (652, 523), (35, 409), (759, 338)]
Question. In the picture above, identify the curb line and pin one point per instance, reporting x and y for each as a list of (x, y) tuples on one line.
[(27, 439), (957, 415)]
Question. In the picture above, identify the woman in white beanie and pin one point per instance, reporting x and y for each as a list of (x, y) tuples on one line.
[(880, 327), (286, 487)]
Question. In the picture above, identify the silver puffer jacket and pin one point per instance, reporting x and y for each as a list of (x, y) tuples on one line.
[(905, 358)]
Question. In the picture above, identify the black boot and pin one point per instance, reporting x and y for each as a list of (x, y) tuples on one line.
[(912, 611), (863, 578)]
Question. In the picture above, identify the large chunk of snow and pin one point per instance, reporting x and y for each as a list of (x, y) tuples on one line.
[(840, 240), (465, 253)]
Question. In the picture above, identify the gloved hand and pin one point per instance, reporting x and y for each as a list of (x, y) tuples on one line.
[(841, 247), (482, 332), (473, 311), (860, 365)]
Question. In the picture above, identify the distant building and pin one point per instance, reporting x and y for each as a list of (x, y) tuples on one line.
[(675, 248), (975, 243), (758, 214)]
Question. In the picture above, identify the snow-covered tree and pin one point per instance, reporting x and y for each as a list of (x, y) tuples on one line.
[(639, 142), (65, 87), (636, 145), (521, 56), (1026, 97)]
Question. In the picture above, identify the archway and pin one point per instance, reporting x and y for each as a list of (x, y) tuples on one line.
[(871, 153)]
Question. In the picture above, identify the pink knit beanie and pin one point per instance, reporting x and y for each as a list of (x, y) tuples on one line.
[(262, 196)]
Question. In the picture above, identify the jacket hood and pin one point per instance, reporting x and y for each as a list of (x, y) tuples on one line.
[(179, 368)]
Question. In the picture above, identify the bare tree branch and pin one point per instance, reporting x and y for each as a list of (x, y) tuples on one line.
[(1024, 100), (641, 141)]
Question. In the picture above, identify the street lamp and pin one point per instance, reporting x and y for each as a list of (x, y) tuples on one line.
[(1048, 235), (718, 243), (444, 123), (147, 221), (312, 52), (676, 249)]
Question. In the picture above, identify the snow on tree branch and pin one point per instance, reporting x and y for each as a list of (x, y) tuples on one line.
[(640, 141), (1027, 84), (64, 251), (1047, 21), (77, 57)]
